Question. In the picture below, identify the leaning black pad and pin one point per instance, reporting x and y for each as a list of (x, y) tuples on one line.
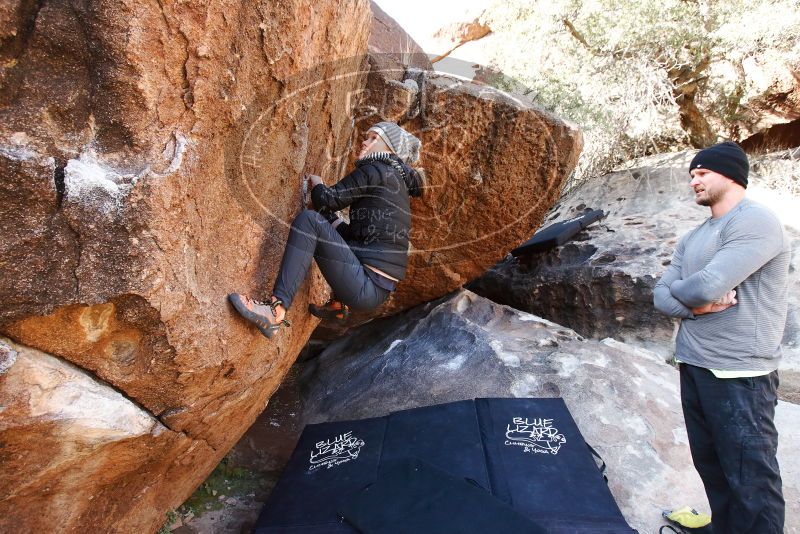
[(557, 234), (446, 436), (540, 465), (413, 497), (331, 460)]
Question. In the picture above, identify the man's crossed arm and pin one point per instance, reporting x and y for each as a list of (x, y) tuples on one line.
[(749, 244), (662, 297)]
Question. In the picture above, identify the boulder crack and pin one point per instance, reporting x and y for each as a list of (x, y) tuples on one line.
[(138, 405), (78, 257), (58, 181)]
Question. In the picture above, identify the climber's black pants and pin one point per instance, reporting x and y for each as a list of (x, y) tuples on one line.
[(311, 236), (732, 436)]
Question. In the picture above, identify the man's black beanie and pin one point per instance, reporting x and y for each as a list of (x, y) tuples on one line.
[(726, 158)]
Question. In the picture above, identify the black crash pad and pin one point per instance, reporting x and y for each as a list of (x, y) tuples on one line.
[(528, 454), (329, 461), (557, 234), (413, 497), (540, 464)]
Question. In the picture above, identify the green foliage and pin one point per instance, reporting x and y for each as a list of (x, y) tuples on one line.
[(625, 69), (172, 515), (227, 480)]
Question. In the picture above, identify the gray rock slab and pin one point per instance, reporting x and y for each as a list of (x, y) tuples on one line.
[(624, 399), (601, 283)]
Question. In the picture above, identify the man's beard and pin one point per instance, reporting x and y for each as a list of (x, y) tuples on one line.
[(710, 199)]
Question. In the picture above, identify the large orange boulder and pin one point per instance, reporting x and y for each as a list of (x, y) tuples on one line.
[(494, 165), (149, 158)]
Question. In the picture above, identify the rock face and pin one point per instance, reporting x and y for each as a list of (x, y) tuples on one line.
[(601, 283), (150, 155), (494, 165), (775, 108), (625, 400), (480, 148), (92, 444), (387, 38), (785, 135)]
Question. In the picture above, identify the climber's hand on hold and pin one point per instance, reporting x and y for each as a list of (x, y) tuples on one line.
[(313, 180), (309, 181)]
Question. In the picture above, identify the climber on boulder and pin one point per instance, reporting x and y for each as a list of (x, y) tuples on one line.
[(362, 260)]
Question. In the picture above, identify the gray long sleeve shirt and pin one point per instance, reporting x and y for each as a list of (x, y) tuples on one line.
[(746, 249)]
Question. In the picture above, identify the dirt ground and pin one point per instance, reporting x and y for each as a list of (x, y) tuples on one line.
[(230, 499)]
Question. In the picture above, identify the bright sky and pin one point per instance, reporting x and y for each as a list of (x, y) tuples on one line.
[(421, 18)]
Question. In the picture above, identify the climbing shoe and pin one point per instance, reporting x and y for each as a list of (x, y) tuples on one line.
[(689, 520), (262, 314), (333, 310)]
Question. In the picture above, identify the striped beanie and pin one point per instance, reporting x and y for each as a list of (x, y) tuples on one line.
[(399, 141)]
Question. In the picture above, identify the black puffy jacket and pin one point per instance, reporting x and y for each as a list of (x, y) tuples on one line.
[(377, 192)]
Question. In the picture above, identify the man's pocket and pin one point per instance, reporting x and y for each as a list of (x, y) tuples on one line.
[(758, 460)]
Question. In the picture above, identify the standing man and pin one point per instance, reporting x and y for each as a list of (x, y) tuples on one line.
[(728, 283)]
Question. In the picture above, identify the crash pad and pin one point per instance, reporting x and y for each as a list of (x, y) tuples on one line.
[(412, 496), (528, 455), (557, 234)]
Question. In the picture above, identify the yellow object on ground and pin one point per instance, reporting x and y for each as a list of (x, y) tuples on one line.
[(688, 517)]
